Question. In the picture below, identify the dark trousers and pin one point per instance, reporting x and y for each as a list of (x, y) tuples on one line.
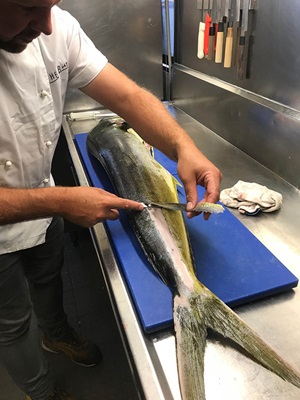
[(31, 277)]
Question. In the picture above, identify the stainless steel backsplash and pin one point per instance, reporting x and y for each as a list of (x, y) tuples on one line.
[(260, 114), (129, 33)]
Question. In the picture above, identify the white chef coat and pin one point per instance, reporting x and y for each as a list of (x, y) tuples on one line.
[(33, 87)]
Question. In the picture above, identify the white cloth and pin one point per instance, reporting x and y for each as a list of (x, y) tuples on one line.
[(33, 87), (251, 198)]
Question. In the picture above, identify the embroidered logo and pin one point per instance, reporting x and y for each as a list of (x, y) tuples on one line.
[(55, 75)]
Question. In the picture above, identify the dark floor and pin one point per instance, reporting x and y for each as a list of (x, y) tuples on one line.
[(88, 308)]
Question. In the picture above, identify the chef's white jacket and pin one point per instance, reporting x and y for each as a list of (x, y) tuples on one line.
[(33, 87)]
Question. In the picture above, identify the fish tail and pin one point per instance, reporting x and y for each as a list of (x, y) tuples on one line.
[(192, 317), (190, 337), (224, 321)]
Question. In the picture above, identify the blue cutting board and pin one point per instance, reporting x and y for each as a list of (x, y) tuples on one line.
[(229, 259)]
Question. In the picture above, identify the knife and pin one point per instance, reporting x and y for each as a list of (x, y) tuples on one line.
[(208, 20), (219, 36), (225, 14), (236, 30), (200, 47), (202, 207), (212, 31), (229, 39), (243, 45)]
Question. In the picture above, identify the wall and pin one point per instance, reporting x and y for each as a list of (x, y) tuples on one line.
[(260, 114), (129, 33)]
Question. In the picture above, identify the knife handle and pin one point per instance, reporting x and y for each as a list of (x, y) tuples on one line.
[(242, 58), (219, 43), (200, 49), (228, 48), (211, 44), (216, 28), (206, 32)]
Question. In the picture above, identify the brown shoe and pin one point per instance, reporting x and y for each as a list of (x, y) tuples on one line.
[(57, 395), (75, 347)]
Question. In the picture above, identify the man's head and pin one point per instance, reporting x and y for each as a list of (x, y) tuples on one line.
[(21, 21)]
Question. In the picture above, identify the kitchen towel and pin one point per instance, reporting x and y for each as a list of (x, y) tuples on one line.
[(250, 198)]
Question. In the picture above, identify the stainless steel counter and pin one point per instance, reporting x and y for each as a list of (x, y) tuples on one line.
[(229, 374)]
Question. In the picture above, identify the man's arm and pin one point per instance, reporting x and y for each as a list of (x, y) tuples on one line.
[(85, 206), (141, 109), (148, 116)]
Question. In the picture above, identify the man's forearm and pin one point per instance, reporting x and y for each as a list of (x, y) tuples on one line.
[(18, 205), (156, 125), (82, 205), (141, 109)]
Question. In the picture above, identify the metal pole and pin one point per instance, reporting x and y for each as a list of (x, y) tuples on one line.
[(168, 32)]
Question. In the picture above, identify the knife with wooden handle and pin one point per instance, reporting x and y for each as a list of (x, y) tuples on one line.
[(229, 39), (219, 43), (228, 48), (200, 47), (211, 43), (225, 14), (219, 35)]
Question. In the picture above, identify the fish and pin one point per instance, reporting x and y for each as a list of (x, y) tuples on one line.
[(164, 238)]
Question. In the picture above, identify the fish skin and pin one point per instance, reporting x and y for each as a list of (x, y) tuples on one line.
[(164, 239)]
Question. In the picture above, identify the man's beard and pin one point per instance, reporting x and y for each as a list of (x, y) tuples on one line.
[(18, 43)]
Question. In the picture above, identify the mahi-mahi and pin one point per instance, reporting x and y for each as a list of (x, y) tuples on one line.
[(163, 236)]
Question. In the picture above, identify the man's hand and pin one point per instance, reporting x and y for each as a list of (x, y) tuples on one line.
[(86, 206), (195, 169)]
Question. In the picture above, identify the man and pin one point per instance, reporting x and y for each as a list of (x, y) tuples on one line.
[(43, 51)]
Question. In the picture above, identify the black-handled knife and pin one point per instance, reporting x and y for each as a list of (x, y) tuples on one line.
[(242, 57)]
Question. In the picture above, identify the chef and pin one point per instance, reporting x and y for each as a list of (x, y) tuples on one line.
[(43, 52)]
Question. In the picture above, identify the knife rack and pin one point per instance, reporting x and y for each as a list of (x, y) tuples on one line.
[(252, 4), (234, 47)]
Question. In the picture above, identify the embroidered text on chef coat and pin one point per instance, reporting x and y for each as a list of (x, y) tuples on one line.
[(54, 76)]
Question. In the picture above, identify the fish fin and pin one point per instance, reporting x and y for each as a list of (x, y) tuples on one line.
[(176, 181), (164, 171), (224, 321), (147, 145), (190, 346), (133, 132), (193, 315), (168, 177)]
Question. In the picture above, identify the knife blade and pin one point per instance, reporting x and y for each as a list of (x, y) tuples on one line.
[(202, 207)]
